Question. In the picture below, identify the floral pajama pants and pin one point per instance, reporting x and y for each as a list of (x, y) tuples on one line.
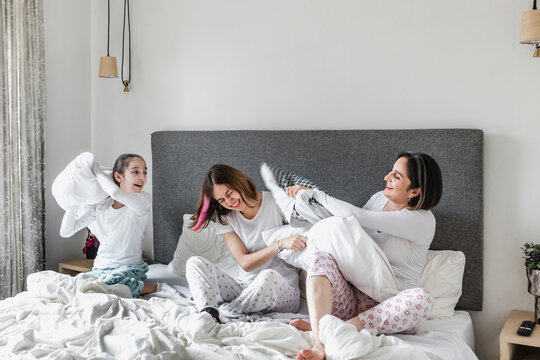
[(402, 313), (268, 292)]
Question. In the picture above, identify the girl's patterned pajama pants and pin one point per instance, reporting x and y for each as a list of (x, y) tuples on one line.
[(268, 292), (402, 313)]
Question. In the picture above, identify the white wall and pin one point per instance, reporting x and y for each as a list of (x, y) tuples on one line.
[(67, 71), (245, 64)]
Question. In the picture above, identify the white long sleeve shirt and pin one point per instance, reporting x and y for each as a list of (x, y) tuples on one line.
[(404, 235), (119, 231)]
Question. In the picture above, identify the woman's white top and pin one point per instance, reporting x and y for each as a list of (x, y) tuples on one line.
[(250, 232), (404, 235), (119, 231)]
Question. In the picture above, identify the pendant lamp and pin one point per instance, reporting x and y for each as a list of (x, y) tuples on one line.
[(530, 29), (107, 64)]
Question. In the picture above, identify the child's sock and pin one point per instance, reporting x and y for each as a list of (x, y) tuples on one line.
[(166, 288)]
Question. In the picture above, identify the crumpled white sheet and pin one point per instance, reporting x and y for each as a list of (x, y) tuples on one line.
[(342, 342), (63, 317)]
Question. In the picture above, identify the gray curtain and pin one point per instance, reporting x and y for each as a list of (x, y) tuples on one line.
[(22, 143)]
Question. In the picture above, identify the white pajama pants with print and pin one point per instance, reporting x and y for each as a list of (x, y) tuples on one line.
[(402, 313), (268, 292)]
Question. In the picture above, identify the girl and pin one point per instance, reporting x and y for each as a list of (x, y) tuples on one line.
[(264, 283), (118, 222), (399, 220)]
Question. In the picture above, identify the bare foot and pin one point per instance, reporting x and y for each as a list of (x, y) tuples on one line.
[(149, 288), (316, 353), (301, 325)]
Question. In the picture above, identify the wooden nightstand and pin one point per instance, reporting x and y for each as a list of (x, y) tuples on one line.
[(75, 266), (514, 346)]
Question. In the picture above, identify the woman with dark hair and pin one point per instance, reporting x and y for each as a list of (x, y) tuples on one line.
[(400, 222), (264, 283)]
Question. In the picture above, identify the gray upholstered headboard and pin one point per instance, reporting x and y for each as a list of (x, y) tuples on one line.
[(350, 164)]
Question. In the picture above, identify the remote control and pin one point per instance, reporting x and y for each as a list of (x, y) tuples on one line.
[(526, 328)]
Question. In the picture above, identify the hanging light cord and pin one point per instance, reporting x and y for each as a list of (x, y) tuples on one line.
[(108, 24), (536, 46), (126, 82)]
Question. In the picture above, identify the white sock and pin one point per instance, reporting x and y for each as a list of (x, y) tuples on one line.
[(166, 288)]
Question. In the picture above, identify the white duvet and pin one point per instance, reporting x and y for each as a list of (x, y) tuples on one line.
[(63, 317), (361, 261)]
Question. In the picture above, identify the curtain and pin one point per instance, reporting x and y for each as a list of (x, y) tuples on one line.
[(22, 143)]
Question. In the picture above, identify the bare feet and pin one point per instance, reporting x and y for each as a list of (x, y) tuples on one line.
[(316, 353), (149, 288), (301, 325)]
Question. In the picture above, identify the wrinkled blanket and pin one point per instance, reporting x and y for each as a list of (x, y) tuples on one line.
[(63, 317)]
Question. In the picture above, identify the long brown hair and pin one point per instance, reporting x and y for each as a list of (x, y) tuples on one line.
[(222, 175)]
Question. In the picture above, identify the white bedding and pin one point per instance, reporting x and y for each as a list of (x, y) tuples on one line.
[(62, 317)]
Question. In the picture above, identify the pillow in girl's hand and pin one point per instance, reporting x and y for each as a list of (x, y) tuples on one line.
[(359, 258), (77, 184), (291, 257), (442, 277), (204, 242)]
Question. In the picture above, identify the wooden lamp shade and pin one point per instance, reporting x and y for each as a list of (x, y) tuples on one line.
[(108, 67), (530, 29)]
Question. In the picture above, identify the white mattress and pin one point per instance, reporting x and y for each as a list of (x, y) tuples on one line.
[(444, 339), (451, 338)]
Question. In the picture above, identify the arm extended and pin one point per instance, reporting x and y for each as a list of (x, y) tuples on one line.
[(417, 226), (250, 261), (77, 218)]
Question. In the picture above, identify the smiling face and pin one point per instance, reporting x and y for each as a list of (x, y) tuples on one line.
[(398, 185), (228, 198), (133, 178)]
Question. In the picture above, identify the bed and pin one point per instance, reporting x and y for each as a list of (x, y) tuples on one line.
[(79, 317)]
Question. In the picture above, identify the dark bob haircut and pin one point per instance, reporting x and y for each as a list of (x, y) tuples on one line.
[(424, 173)]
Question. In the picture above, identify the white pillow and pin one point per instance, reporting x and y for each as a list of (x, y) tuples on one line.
[(206, 243), (442, 277), (361, 261), (77, 184)]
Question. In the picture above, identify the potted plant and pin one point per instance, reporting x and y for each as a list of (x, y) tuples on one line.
[(91, 246), (531, 254)]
